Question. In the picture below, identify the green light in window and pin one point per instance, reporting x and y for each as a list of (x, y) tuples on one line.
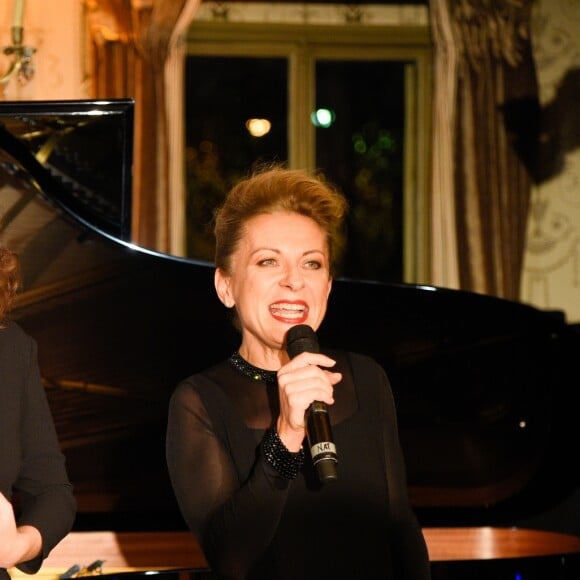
[(322, 118)]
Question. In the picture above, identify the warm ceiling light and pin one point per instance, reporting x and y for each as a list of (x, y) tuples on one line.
[(258, 127)]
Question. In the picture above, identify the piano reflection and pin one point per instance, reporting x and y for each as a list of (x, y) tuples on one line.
[(486, 406)]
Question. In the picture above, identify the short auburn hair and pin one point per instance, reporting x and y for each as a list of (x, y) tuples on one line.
[(274, 188), (9, 281)]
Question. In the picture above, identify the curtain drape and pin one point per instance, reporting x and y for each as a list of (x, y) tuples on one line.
[(136, 50), (443, 259), (485, 76)]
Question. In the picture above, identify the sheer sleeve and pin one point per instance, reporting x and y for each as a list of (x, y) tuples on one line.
[(234, 515)]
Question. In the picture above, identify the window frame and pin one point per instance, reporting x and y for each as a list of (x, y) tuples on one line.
[(302, 44)]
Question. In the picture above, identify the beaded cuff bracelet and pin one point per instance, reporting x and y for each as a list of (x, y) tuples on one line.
[(286, 463)]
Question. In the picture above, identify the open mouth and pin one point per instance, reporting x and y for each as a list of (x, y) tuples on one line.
[(289, 311)]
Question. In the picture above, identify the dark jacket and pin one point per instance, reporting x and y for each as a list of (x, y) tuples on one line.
[(32, 467)]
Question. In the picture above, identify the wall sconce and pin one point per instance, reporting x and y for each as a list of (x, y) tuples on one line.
[(21, 66)]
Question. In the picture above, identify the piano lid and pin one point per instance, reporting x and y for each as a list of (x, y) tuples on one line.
[(485, 412), (78, 153)]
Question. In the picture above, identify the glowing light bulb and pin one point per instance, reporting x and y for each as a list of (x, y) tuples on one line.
[(258, 127)]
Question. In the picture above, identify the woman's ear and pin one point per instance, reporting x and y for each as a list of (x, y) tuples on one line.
[(329, 287), (222, 288)]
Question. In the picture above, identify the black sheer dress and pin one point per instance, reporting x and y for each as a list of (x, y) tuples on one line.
[(254, 524)]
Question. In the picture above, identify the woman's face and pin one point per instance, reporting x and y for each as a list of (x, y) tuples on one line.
[(280, 277)]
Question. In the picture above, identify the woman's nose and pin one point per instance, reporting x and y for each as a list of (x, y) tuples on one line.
[(293, 279)]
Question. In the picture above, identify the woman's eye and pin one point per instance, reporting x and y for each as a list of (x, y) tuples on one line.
[(313, 265), (267, 262)]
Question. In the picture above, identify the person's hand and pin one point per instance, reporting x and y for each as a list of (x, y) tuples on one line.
[(17, 544), (300, 382)]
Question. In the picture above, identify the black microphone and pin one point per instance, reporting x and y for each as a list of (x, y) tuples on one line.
[(301, 338)]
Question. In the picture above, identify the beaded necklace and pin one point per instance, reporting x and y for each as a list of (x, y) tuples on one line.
[(249, 370)]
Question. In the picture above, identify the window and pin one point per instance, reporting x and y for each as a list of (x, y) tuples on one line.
[(324, 92)]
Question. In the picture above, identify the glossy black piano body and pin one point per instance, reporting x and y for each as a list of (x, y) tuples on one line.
[(482, 385)]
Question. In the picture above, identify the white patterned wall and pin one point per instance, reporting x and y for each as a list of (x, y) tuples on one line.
[(551, 275)]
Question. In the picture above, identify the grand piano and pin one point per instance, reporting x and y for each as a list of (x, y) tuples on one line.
[(483, 385)]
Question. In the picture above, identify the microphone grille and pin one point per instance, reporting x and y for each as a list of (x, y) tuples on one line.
[(301, 338)]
